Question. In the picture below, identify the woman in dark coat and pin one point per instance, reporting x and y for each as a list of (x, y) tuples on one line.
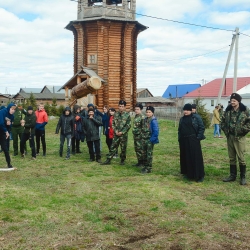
[(190, 133)]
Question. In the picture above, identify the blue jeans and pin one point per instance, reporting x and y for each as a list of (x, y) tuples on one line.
[(216, 129)]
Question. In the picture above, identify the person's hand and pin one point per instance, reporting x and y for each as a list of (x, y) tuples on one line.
[(8, 123), (7, 134), (119, 133), (22, 122)]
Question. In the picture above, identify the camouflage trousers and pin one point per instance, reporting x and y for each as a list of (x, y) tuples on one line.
[(123, 142), (147, 148), (138, 147)]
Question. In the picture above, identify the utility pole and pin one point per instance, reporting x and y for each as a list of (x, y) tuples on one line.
[(236, 60), (235, 35)]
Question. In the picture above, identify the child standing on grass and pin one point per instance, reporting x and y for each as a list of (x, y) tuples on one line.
[(90, 127), (66, 125), (150, 133), (6, 119), (29, 124)]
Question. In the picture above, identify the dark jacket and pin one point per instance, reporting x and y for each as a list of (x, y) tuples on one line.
[(18, 116), (5, 113), (30, 123), (243, 121), (91, 127), (105, 123), (66, 123), (78, 118), (197, 125)]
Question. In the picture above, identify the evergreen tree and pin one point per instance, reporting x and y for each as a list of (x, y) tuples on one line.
[(60, 110), (53, 109), (200, 108), (47, 108), (32, 101)]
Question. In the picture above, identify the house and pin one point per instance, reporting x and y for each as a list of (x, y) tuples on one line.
[(44, 95), (179, 90), (143, 92), (156, 101), (42, 98), (5, 99), (30, 90), (52, 89), (209, 92)]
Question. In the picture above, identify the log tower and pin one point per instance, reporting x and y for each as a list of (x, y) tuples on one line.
[(105, 42)]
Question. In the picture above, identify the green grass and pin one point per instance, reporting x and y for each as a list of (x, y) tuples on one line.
[(51, 203)]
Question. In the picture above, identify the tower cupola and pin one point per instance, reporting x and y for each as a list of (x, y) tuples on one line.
[(113, 9)]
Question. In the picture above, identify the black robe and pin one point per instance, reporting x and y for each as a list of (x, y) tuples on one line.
[(191, 159)]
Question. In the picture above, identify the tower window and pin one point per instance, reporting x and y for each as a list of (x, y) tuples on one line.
[(94, 2), (116, 2), (92, 59)]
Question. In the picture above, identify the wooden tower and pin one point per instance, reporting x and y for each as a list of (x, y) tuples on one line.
[(105, 42)]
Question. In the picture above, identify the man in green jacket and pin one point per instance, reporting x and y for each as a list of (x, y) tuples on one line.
[(235, 122), (121, 125), (17, 129)]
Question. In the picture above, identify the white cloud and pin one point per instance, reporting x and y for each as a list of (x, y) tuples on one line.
[(39, 52), (230, 3), (231, 19)]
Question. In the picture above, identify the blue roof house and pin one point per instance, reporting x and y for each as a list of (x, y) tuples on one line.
[(179, 90)]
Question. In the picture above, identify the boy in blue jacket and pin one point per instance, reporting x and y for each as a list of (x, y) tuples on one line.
[(150, 132), (6, 119)]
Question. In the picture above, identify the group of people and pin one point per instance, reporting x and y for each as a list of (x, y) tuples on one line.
[(24, 125), (81, 125), (85, 125), (235, 123)]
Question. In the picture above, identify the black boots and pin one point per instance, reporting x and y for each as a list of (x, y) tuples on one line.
[(243, 175), (233, 174)]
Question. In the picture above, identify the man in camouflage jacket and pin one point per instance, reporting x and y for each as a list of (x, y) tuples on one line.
[(121, 125), (137, 133), (235, 123)]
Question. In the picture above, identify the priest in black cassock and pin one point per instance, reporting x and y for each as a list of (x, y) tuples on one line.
[(190, 133)]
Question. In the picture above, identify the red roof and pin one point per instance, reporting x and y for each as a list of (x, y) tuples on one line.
[(211, 89)]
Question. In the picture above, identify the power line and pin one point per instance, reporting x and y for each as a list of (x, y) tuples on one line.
[(185, 57), (166, 19), (244, 34)]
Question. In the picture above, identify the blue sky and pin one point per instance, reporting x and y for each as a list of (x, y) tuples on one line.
[(36, 50)]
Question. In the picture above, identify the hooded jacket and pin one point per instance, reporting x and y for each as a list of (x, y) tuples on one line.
[(242, 126), (5, 113), (30, 123), (66, 123)]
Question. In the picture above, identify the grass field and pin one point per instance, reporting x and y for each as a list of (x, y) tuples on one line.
[(51, 203)]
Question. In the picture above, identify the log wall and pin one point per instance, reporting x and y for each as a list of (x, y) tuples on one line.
[(115, 45)]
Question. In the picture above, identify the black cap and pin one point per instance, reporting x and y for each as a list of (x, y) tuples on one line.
[(139, 105), (236, 96), (152, 109), (122, 102), (187, 106), (194, 106), (30, 108)]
